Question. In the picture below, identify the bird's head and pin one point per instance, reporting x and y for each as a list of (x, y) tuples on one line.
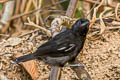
[(81, 26)]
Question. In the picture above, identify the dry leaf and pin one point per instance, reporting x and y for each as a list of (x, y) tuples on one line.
[(30, 67), (13, 41)]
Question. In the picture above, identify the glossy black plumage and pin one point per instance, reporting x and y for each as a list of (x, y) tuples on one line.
[(62, 48)]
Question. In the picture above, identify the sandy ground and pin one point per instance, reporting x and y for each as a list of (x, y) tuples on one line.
[(101, 58)]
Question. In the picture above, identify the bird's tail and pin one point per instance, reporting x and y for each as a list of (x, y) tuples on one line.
[(24, 58)]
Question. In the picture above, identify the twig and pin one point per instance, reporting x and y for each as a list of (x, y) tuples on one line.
[(29, 33), (96, 2), (23, 6), (90, 10), (35, 25), (55, 69), (115, 23), (71, 8), (116, 12), (43, 29), (54, 11), (98, 19), (27, 8), (40, 9), (102, 23), (4, 35), (3, 1), (8, 11), (81, 72), (17, 6), (38, 16), (113, 28), (95, 11)]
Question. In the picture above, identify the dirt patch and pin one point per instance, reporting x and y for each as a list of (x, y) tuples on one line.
[(101, 58)]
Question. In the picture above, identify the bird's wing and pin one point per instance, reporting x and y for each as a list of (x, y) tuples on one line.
[(56, 47)]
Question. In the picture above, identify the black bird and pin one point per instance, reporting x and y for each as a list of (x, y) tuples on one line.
[(62, 48)]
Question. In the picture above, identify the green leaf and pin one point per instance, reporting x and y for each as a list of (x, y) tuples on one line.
[(65, 5), (1, 6), (79, 14)]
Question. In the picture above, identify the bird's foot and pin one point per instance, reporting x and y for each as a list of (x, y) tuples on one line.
[(75, 65)]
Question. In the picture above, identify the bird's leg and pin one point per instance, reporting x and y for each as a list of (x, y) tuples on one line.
[(74, 65)]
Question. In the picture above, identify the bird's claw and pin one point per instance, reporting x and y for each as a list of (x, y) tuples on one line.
[(75, 65)]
